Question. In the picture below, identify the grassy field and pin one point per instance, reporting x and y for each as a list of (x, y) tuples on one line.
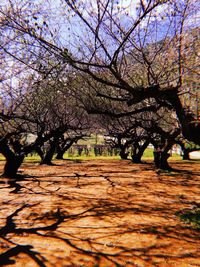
[(148, 155), (92, 140)]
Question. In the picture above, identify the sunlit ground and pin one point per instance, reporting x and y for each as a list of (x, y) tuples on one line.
[(99, 213)]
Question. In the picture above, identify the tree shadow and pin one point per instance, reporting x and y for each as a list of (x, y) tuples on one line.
[(102, 240)]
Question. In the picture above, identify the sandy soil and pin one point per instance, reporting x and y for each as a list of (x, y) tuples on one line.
[(99, 213)]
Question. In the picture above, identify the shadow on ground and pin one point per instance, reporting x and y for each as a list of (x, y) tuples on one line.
[(99, 213)]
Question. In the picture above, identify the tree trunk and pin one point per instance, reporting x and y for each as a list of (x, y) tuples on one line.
[(61, 151), (13, 161), (64, 147), (47, 159), (185, 151), (60, 154), (138, 153), (190, 127), (123, 154), (186, 154), (160, 160), (40, 153), (12, 165), (136, 158)]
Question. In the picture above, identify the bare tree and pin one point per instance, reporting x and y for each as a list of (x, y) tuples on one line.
[(124, 133), (133, 54), (66, 141), (45, 116)]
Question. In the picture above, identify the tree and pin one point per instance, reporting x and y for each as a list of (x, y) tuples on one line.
[(46, 116), (186, 147), (133, 57), (125, 133), (12, 128), (155, 65), (66, 141), (57, 110)]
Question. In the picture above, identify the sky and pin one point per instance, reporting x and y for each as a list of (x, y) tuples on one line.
[(66, 28)]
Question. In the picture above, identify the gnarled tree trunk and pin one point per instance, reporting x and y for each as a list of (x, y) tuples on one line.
[(123, 154), (12, 165), (190, 126), (186, 154), (63, 147), (13, 161), (161, 154), (138, 151), (48, 156), (160, 160), (60, 154)]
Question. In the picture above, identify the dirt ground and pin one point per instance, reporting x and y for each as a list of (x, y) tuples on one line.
[(99, 213)]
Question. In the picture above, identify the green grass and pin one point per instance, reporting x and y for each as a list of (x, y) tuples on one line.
[(2, 158), (91, 157), (33, 158), (148, 155)]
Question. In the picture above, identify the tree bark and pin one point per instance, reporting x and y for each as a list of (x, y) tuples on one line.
[(160, 160), (60, 154), (47, 159), (13, 161), (40, 152), (12, 165), (190, 127), (139, 151), (136, 158), (123, 154), (186, 154)]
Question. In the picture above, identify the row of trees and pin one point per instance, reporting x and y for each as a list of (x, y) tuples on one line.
[(63, 62), (34, 121)]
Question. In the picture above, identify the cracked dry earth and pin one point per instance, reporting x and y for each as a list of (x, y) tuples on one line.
[(99, 213)]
